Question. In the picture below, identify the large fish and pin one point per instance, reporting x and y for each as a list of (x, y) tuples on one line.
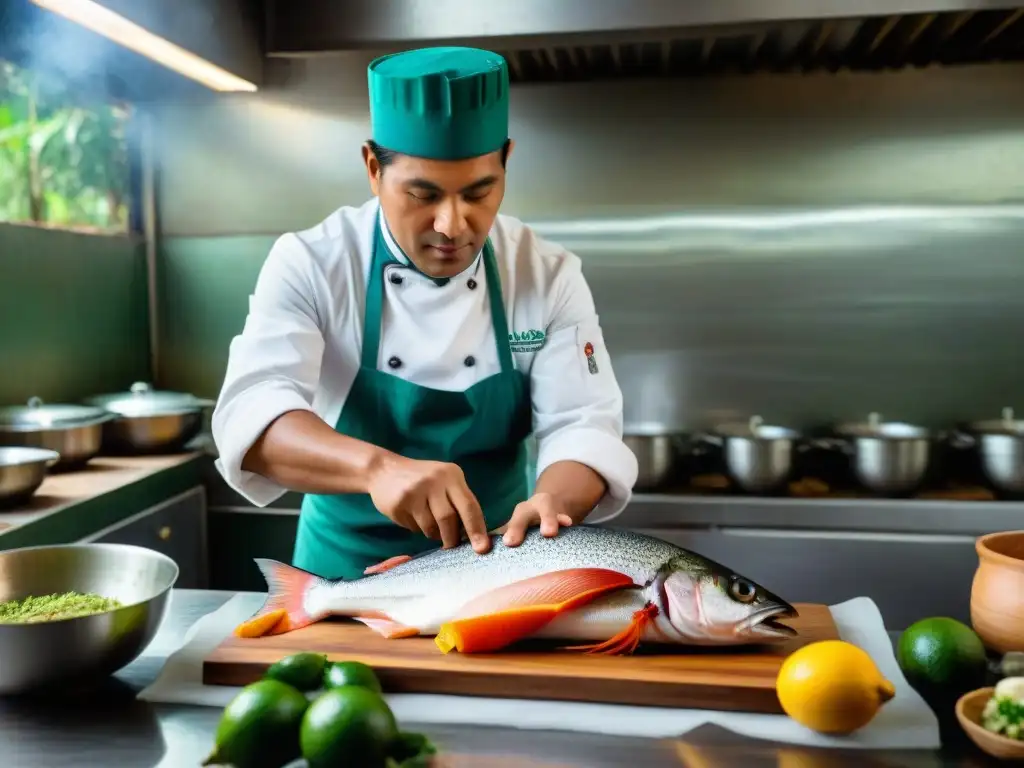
[(611, 589)]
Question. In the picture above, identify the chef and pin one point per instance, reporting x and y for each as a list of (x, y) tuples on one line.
[(397, 355)]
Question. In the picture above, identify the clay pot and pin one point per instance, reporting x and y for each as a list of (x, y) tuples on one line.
[(997, 594)]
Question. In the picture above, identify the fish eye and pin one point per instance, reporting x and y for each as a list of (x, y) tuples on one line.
[(742, 590)]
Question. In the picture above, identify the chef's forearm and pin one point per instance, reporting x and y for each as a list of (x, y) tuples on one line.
[(303, 453), (576, 485)]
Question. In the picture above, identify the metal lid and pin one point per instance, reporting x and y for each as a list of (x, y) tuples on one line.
[(875, 427), (37, 415), (650, 429), (755, 429), (143, 400), (14, 455), (1004, 426)]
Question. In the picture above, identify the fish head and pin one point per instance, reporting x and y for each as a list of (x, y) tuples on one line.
[(706, 602)]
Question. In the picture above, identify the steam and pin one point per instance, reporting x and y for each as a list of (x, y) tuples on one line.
[(58, 49)]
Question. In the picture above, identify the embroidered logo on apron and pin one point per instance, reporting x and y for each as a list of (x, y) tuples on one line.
[(526, 341), (588, 350)]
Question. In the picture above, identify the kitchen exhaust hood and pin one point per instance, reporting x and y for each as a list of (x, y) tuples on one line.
[(564, 40)]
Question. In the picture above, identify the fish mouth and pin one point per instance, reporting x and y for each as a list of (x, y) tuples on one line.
[(766, 622)]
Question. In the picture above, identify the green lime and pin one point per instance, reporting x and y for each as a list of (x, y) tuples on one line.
[(942, 656), (260, 727), (348, 727), (304, 671), (351, 673)]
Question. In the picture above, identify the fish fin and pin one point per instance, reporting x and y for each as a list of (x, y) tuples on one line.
[(387, 565), (626, 641), (284, 609), (502, 616), (564, 589), (494, 631), (260, 624), (392, 630)]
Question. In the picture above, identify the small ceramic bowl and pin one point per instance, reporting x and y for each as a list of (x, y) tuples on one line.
[(968, 711), (997, 607)]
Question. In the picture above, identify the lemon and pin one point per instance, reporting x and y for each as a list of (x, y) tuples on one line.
[(832, 687)]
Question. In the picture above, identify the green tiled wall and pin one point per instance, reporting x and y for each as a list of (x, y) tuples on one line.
[(204, 287), (73, 314)]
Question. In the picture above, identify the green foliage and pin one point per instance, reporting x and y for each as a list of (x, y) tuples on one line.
[(62, 164)]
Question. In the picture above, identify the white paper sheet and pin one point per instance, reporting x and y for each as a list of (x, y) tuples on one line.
[(905, 722)]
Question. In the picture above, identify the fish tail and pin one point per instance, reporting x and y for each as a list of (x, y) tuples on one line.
[(285, 607)]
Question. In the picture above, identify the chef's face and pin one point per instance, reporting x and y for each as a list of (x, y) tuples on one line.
[(439, 211)]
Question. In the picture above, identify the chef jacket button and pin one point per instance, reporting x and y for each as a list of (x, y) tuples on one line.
[(395, 279), (394, 362), (470, 361), (471, 283)]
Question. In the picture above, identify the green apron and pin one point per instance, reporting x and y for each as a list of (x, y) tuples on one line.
[(483, 430)]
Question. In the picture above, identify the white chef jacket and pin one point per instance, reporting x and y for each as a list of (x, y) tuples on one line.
[(301, 346)]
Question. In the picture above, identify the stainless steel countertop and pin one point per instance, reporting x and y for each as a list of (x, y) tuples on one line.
[(109, 727)]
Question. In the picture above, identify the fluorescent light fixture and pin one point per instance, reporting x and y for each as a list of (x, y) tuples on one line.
[(113, 26)]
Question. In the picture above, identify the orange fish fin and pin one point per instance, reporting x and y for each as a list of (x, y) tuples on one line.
[(260, 624), (382, 625), (284, 609), (562, 589), (387, 565), (502, 616), (626, 641), (493, 632)]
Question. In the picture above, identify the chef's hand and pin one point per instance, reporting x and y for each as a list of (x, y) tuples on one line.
[(541, 508), (429, 496)]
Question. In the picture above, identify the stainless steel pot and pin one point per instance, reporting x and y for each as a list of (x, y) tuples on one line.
[(149, 420), (67, 652), (73, 431), (759, 458), (22, 471), (1000, 446), (890, 458), (658, 452)]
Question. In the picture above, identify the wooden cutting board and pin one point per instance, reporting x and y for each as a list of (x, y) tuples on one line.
[(739, 679)]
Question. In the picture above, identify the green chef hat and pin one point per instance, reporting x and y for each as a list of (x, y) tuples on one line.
[(439, 103)]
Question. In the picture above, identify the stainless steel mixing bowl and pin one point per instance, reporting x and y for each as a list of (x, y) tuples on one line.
[(22, 471), (73, 651)]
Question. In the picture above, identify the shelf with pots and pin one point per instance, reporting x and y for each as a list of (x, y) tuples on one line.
[(115, 450), (873, 459)]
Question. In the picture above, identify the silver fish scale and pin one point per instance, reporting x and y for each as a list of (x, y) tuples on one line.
[(579, 546)]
